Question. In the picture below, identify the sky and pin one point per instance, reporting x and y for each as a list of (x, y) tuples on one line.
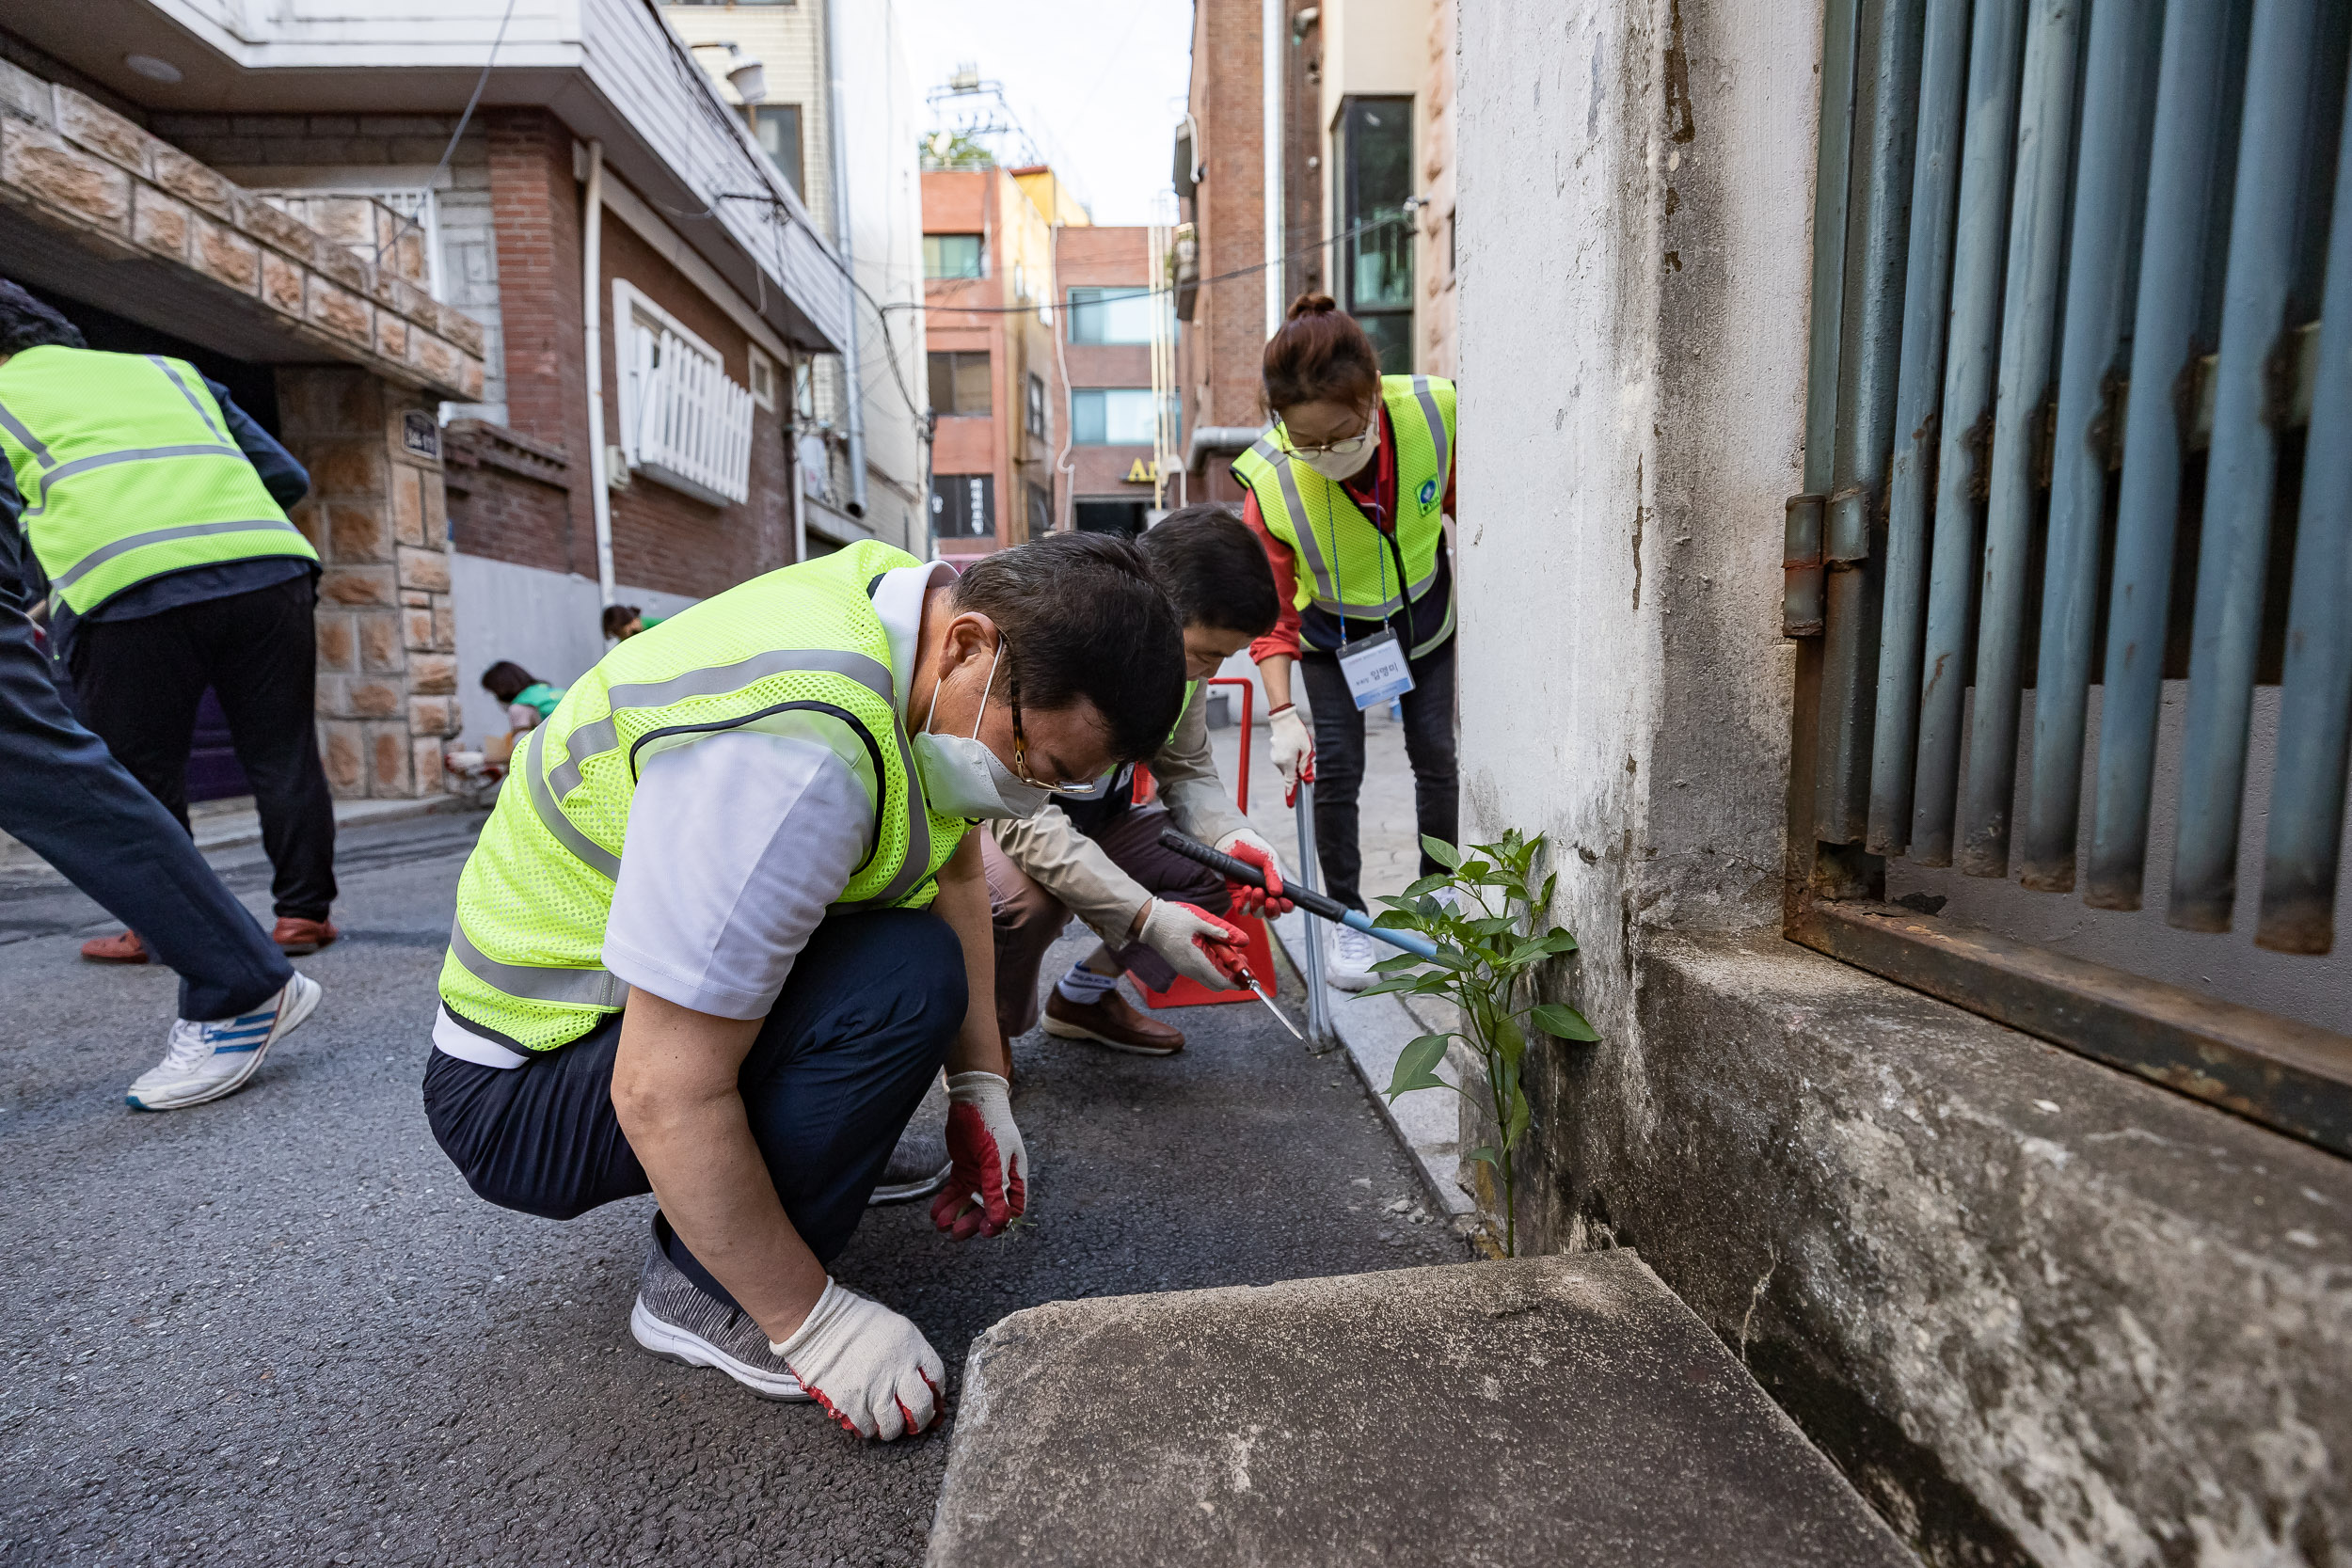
[(1098, 84)]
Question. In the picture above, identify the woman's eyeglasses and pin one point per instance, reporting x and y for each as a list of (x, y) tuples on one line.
[(1346, 446)]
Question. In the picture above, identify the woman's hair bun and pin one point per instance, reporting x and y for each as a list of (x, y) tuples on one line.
[(1312, 304)]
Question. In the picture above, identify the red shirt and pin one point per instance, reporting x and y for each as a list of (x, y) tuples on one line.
[(1377, 503)]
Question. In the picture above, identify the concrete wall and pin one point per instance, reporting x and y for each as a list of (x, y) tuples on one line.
[(546, 622), (2040, 1311)]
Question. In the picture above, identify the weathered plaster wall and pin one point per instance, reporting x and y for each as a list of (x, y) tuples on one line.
[(2040, 1310)]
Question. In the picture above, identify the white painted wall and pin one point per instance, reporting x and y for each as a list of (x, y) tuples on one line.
[(1632, 393), (546, 622)]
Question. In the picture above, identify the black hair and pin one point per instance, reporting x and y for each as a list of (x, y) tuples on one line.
[(1212, 569), (619, 616), (26, 323), (1083, 618), (506, 680)]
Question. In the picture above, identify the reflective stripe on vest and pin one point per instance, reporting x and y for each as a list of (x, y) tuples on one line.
[(127, 472), (1349, 563), (536, 893)]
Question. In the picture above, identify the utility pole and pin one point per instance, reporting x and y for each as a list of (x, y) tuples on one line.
[(847, 246), (1273, 64)]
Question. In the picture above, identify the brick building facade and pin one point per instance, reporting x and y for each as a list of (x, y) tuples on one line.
[(1104, 274)]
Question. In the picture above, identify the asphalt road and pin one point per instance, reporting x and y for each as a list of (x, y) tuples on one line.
[(279, 1330)]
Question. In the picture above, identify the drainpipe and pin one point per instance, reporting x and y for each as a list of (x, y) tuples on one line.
[(1274, 63), (847, 248), (591, 313)]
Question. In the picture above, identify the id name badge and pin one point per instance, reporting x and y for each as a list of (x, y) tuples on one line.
[(1375, 669)]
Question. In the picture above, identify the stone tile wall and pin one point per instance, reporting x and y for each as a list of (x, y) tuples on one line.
[(378, 515)]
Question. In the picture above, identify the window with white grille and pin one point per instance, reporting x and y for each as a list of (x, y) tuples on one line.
[(683, 422)]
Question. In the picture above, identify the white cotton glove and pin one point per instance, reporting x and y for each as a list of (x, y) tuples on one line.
[(988, 1179), (871, 1368), (1290, 743), (1243, 844), (1178, 933)]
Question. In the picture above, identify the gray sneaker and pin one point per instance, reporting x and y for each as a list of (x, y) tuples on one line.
[(918, 1166), (678, 1321)]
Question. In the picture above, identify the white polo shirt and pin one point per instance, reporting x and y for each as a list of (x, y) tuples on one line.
[(737, 845)]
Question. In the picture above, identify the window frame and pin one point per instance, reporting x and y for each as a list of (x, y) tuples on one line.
[(1033, 413), (957, 358), (1094, 308), (1390, 326), (1077, 425), (979, 256), (797, 177)]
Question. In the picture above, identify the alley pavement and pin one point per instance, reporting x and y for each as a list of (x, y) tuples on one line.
[(278, 1328)]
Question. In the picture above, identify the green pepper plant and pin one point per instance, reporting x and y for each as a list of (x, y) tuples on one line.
[(1484, 917)]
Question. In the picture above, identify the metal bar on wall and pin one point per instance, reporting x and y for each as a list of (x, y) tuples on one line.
[(1934, 191), (2037, 253), (2232, 553), (1878, 229), (1801, 552), (2192, 87), (2119, 70), (2307, 796), (1995, 51)]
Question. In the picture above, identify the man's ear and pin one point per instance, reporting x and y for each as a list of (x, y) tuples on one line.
[(970, 635)]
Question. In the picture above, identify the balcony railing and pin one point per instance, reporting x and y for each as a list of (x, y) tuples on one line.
[(688, 427)]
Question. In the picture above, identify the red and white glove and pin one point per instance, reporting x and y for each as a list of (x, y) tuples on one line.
[(987, 1182), (1196, 944), (1290, 743), (871, 1368), (1244, 845)]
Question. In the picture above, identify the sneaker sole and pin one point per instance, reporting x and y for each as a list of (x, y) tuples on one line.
[(109, 958), (305, 1002), (671, 1343), (1059, 1030), (907, 1192)]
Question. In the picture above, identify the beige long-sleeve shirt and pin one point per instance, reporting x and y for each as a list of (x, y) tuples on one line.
[(1074, 869)]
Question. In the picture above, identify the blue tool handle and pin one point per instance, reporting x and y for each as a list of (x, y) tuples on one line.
[(1305, 898)]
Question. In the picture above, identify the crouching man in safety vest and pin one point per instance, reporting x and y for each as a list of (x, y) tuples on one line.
[(726, 926)]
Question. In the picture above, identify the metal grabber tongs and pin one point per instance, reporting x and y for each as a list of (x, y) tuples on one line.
[(1303, 891)]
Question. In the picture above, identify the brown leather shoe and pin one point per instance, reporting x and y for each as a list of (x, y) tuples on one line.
[(124, 949), (295, 936), (1111, 1022)]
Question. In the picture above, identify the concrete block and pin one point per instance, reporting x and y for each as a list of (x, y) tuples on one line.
[(358, 531), (382, 645), (407, 505), (193, 183), (228, 257), (1548, 1413), (391, 336), (357, 586), (372, 698), (391, 763), (417, 630), (40, 164), (430, 716), (339, 752), (345, 468), (103, 131), (337, 644), (159, 224), (341, 311), (423, 568), (281, 283), (433, 675), (431, 775)]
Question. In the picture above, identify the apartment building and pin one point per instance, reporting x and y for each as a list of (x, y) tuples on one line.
[(837, 110), (1367, 197), (1117, 330), (993, 361), (643, 285)]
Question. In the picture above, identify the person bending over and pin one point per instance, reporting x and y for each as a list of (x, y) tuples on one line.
[(528, 701), (1102, 859), (726, 926)]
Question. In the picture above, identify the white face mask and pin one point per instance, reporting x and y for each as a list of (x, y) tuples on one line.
[(1337, 466), (961, 777)]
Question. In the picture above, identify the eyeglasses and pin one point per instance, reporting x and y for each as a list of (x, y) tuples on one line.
[(1021, 749), (1346, 446)]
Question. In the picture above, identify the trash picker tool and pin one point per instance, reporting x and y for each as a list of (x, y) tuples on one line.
[(1305, 897)]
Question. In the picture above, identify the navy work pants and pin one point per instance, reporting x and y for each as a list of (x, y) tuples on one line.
[(140, 681), (66, 796), (865, 1018), (1429, 747)]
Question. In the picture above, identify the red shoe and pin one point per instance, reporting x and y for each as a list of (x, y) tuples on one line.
[(1110, 1022), (295, 936), (124, 949)]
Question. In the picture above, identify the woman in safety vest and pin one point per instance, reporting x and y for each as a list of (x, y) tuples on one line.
[(1350, 493)]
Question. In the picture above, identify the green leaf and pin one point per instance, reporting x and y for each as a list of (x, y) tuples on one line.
[(1414, 1068), (1493, 926), (1510, 1040), (1549, 882), (1440, 850), (1395, 965), (1562, 1022), (1558, 940), (1425, 887), (1396, 920), (1484, 1153), (1395, 985), (1475, 871), (1521, 1116)]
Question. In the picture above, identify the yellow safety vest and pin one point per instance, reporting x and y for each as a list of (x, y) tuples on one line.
[(797, 652)]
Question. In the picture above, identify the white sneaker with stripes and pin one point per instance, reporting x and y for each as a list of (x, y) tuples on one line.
[(205, 1061)]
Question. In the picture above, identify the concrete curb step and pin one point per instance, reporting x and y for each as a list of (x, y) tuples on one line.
[(1375, 1031), (232, 824), (1562, 1412)]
